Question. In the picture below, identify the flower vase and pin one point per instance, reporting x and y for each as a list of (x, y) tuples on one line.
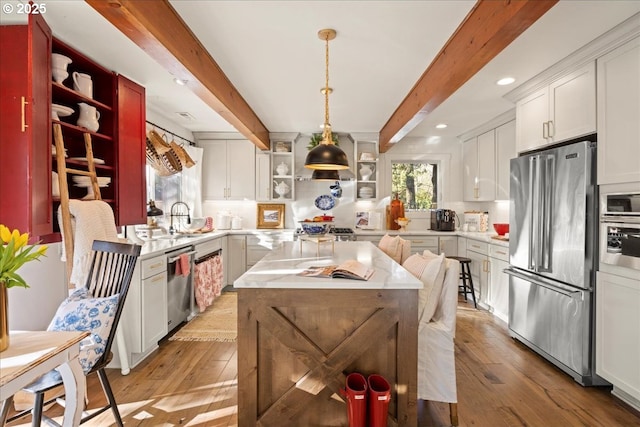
[(4, 318)]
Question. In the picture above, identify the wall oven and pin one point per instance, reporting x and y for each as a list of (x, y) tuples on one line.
[(620, 230)]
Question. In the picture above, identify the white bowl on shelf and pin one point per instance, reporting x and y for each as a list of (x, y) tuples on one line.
[(58, 111)]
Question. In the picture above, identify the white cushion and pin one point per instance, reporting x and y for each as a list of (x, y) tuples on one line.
[(392, 246), (429, 268), (80, 312), (406, 249)]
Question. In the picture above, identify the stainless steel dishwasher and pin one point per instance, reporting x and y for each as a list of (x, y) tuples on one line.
[(179, 287)]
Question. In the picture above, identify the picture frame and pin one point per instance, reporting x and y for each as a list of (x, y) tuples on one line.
[(270, 215)]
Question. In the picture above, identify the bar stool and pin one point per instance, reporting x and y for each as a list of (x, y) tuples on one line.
[(465, 275)]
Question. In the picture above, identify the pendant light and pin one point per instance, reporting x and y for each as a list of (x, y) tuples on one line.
[(325, 175), (326, 155)]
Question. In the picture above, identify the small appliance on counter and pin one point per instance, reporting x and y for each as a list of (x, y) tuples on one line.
[(443, 220), (476, 221)]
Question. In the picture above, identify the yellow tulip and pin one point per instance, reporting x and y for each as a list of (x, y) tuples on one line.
[(42, 249), (5, 234), (22, 240)]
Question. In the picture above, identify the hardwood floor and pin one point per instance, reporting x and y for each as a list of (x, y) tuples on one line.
[(500, 383)]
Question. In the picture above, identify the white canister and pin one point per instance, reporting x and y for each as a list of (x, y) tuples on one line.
[(236, 223), (223, 221)]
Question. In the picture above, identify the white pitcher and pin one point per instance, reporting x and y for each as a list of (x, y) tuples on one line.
[(88, 117), (281, 188), (82, 83), (59, 64), (366, 171)]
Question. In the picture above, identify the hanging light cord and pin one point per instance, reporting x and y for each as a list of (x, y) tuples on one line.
[(327, 138)]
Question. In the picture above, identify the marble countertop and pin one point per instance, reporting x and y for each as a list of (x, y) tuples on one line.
[(279, 268), (168, 243)]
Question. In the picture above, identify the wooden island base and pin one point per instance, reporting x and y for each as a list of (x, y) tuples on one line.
[(296, 346)]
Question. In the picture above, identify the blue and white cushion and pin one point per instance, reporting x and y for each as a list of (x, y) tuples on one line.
[(81, 312)]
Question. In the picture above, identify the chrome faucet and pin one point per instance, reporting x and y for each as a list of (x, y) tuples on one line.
[(177, 212)]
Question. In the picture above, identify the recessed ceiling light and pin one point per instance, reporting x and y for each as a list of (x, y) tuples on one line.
[(179, 81), (505, 81), (441, 126)]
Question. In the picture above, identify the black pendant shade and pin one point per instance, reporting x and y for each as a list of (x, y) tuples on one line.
[(325, 175), (326, 157), (153, 210)]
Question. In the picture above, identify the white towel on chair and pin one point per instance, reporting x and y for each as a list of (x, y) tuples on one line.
[(90, 220)]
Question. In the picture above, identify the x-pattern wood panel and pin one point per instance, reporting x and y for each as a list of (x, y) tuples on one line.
[(262, 316)]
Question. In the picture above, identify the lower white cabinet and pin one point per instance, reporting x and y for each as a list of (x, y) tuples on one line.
[(260, 244), (499, 281), (618, 333), (144, 317), (237, 257), (448, 245), (478, 253)]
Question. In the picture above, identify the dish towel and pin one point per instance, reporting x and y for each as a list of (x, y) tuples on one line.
[(90, 220), (182, 266), (208, 281)]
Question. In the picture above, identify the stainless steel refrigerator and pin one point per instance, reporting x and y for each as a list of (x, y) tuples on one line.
[(552, 255)]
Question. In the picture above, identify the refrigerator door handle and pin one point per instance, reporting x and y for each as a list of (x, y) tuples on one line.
[(544, 283), (532, 211), (547, 212)]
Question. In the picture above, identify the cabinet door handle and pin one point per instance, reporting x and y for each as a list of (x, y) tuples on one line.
[(501, 253), (545, 130), (551, 129), (476, 193), (157, 278), (485, 266), (24, 113), (156, 265)]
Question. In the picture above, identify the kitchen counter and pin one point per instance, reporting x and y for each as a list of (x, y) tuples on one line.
[(279, 268), (483, 237), (298, 337)]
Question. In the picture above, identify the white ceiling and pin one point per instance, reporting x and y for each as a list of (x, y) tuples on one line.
[(271, 53)]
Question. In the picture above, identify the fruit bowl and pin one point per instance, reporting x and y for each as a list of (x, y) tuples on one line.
[(501, 229), (315, 228)]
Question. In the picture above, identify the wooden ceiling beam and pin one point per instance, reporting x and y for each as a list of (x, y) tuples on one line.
[(157, 28), (490, 27)]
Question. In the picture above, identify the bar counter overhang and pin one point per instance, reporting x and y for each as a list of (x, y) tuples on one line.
[(298, 337)]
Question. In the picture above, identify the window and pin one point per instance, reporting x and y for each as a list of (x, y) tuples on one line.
[(416, 184), (164, 190)]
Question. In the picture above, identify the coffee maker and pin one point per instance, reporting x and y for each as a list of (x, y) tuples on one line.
[(443, 220)]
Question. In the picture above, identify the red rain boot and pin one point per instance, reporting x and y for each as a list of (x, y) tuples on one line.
[(356, 394), (379, 398)]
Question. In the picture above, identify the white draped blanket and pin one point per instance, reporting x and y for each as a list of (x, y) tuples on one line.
[(90, 220)]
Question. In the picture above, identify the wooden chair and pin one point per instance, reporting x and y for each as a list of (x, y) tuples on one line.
[(111, 270)]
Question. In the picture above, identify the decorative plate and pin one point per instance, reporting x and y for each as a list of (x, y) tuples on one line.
[(325, 202)]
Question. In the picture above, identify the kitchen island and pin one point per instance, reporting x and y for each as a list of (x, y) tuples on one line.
[(298, 337)]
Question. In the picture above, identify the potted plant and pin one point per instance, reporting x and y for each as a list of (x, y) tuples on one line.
[(316, 138), (14, 253)]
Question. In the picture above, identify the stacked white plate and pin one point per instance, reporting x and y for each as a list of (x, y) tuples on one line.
[(365, 192), (85, 181)]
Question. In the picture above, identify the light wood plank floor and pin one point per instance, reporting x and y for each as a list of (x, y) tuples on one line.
[(500, 383)]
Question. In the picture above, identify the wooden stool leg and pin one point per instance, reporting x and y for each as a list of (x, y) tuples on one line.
[(473, 292), (453, 413)]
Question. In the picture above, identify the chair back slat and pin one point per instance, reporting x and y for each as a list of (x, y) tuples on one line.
[(110, 273)]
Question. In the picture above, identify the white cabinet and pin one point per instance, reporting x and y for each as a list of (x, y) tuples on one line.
[(282, 170), (505, 151), (499, 281), (263, 176), (564, 109), (230, 170), (237, 257), (485, 164), (144, 317), (366, 169), (478, 252), (618, 332), (448, 245), (261, 243), (618, 113)]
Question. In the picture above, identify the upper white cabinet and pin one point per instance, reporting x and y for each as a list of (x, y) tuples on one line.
[(485, 164), (564, 109), (263, 175), (505, 151), (366, 169), (230, 170), (618, 114), (282, 169)]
